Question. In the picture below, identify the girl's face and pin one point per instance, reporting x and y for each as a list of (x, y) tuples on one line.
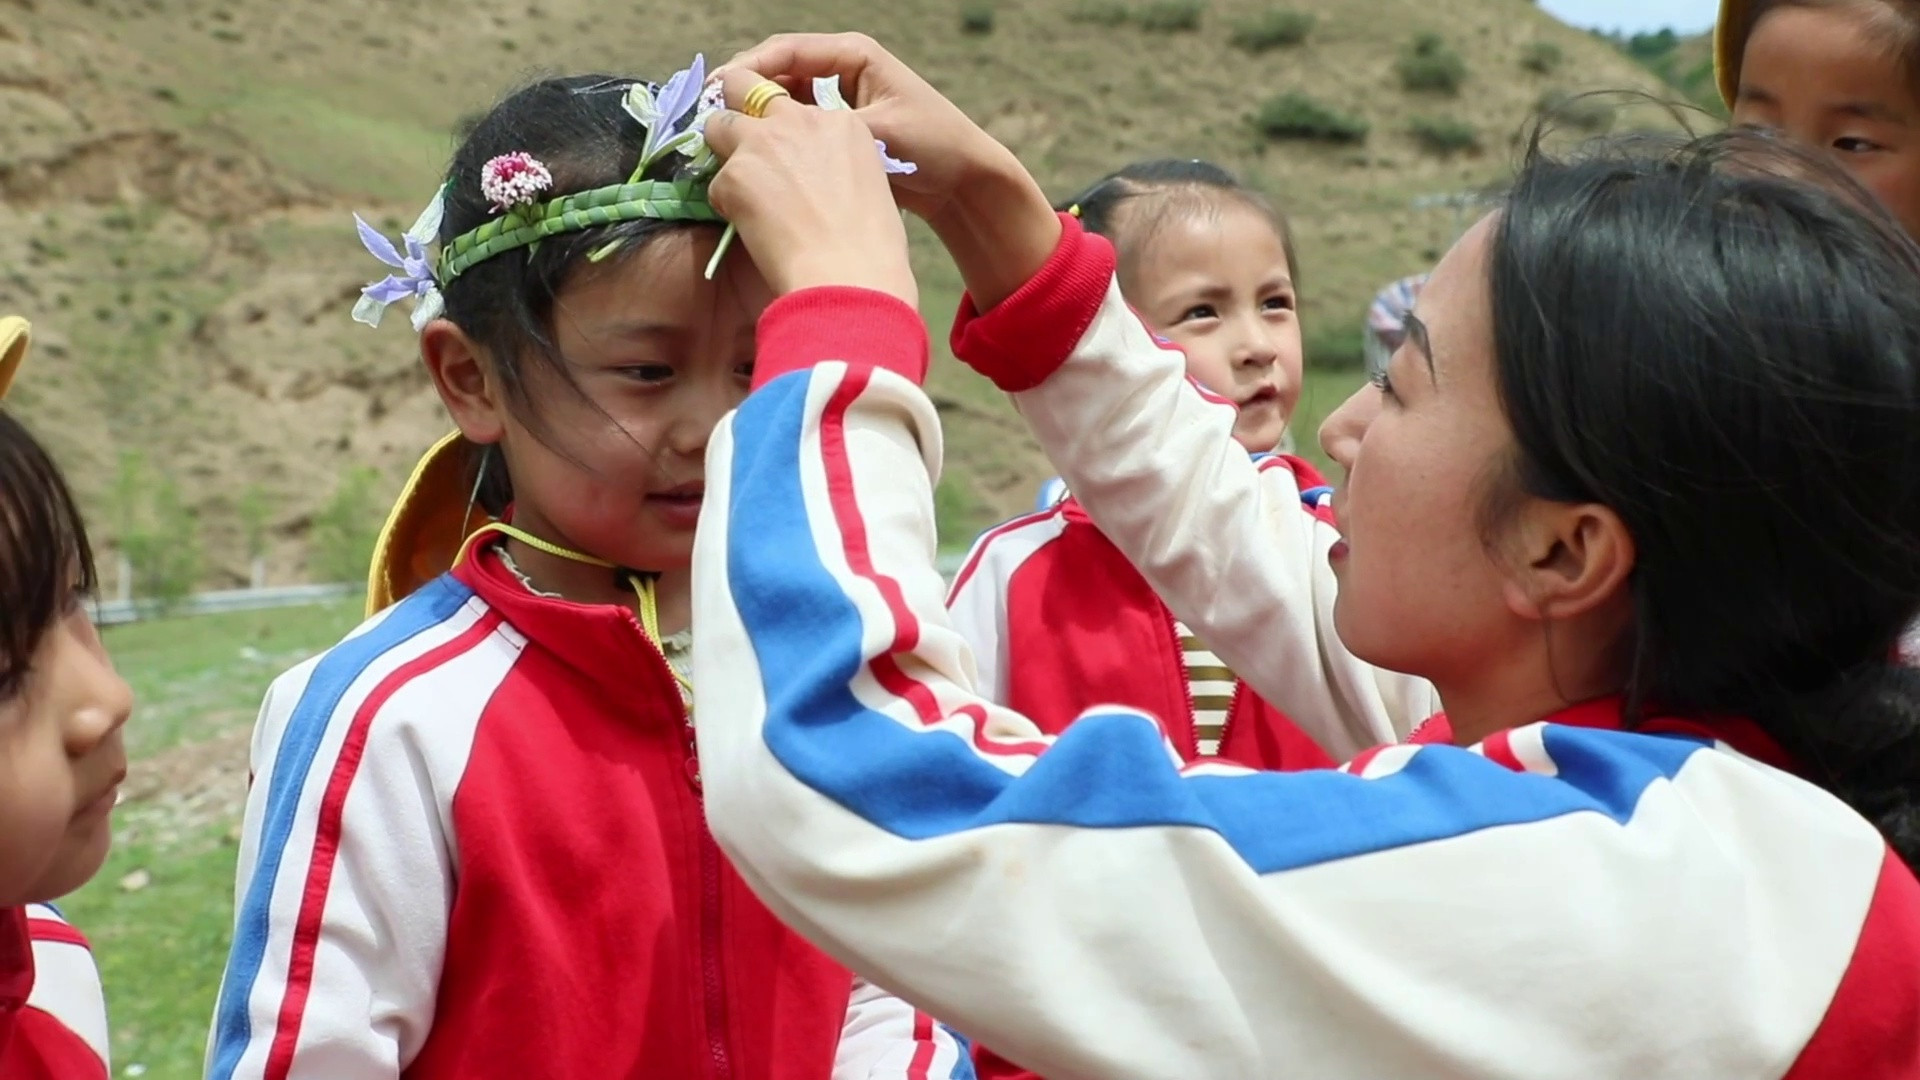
[(1420, 590), (61, 763), (616, 469), (1820, 75), (1218, 285)]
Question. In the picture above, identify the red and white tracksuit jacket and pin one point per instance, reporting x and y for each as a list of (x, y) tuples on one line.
[(53, 1017), (1566, 900), (1059, 622), (474, 848)]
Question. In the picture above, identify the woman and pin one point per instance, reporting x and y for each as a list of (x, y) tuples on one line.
[(1642, 502)]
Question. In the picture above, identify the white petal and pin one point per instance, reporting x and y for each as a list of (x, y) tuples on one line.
[(640, 105), (428, 308), (826, 93), (368, 311), (426, 227)]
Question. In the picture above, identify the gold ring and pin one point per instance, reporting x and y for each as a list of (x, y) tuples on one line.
[(761, 96)]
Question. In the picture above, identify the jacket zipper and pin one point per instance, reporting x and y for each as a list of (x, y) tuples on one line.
[(710, 954), (1186, 685), (712, 982)]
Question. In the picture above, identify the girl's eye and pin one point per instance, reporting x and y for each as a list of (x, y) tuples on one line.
[(745, 370), (1852, 145), (1199, 311), (648, 373), (1279, 303)]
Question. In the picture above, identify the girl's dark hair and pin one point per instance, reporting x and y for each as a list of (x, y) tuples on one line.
[(1720, 340), (1129, 206), (45, 560), (577, 127)]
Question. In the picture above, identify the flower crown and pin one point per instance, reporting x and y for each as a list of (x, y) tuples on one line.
[(675, 116)]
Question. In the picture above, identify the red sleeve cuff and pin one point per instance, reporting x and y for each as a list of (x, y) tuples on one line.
[(1031, 333), (862, 327)]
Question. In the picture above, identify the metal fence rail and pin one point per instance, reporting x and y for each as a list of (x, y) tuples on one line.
[(119, 612)]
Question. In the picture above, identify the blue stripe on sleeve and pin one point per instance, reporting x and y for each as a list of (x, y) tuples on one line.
[(1111, 769), (299, 744)]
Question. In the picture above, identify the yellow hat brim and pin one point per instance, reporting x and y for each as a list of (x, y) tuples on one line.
[(1729, 44), (16, 334), (427, 526)]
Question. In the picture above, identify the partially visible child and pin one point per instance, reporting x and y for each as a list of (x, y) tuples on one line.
[(1208, 264), (61, 761), (475, 846), (1838, 74), (1843, 75)]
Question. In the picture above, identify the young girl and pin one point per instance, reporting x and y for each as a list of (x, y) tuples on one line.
[(1643, 501), (1209, 266), (474, 845), (1836, 74), (61, 762)]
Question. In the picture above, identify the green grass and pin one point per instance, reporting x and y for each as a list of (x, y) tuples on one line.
[(194, 678)]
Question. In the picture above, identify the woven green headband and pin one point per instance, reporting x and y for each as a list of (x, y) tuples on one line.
[(661, 200)]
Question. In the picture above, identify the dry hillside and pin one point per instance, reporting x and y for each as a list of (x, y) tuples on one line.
[(175, 179)]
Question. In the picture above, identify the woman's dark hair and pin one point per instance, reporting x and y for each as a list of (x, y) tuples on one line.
[(1129, 206), (577, 127), (45, 560), (1720, 340)]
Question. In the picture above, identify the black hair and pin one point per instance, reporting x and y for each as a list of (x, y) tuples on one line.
[(577, 127), (1719, 339), (46, 562), (1128, 206)]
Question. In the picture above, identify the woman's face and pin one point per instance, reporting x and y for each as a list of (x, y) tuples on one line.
[(1421, 590)]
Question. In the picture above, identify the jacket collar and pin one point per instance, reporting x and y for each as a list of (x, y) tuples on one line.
[(603, 642)]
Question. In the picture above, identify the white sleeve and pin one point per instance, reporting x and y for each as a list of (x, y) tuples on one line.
[(1093, 911), (887, 1039), (346, 867), (1225, 542)]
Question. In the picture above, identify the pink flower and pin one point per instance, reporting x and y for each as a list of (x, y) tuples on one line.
[(514, 179)]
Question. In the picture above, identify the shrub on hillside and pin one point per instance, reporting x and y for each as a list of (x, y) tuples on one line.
[(1272, 30), (1429, 66), (1590, 113), (1296, 116), (1170, 16), (1099, 12), (1542, 57), (1443, 135), (976, 17), (345, 529)]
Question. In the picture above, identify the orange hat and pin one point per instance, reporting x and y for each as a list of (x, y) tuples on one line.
[(1729, 44), (426, 527), (16, 334)]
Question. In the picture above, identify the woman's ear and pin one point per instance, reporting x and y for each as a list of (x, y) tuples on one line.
[(463, 380), (1570, 559)]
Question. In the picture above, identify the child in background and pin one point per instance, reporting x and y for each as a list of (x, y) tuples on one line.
[(475, 844), (1837, 74), (1209, 266), (61, 762)]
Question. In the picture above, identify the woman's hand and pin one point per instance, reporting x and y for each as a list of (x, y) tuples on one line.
[(806, 190), (982, 203)]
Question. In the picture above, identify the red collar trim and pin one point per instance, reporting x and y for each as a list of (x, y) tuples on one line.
[(1603, 714)]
